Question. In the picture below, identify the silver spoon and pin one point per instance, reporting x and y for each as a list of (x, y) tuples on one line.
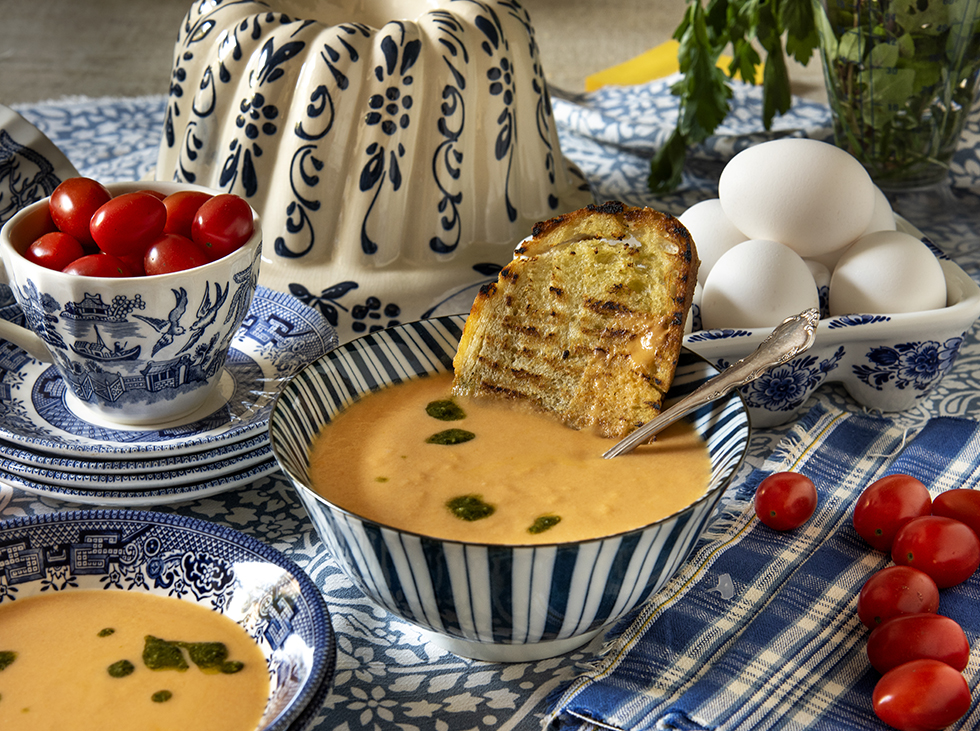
[(790, 338)]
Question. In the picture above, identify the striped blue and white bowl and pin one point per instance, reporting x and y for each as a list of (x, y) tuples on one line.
[(504, 603)]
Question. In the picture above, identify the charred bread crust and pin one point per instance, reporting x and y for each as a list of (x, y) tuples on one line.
[(587, 320)]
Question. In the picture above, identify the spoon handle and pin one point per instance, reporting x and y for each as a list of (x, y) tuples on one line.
[(790, 338)]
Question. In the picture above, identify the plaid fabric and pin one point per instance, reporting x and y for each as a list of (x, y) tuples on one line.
[(760, 628)]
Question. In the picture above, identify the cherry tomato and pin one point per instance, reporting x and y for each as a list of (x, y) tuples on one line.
[(963, 505), (946, 549), (127, 224), (182, 207), (173, 253), (921, 695), (73, 203), (785, 500), (896, 590), (54, 250), (222, 225), (915, 636), (98, 265), (886, 505), (154, 193)]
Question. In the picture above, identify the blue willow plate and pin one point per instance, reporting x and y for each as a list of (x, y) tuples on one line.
[(190, 560), (278, 337)]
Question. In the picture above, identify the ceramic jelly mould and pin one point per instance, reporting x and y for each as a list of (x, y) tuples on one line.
[(396, 152), (885, 362)]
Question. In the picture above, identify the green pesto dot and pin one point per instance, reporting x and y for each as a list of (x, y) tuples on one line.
[(231, 667), (380, 479), (121, 669), (161, 696), (451, 436), (6, 658), (445, 410), (162, 655), (106, 632), (470, 507), (543, 523)]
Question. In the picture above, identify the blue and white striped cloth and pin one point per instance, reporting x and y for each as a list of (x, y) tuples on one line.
[(760, 630)]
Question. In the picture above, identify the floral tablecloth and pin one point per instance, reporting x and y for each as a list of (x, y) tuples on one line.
[(388, 676)]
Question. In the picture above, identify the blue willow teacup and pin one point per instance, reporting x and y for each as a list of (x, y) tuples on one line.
[(141, 351)]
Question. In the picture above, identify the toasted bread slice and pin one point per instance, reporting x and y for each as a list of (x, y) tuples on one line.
[(586, 322)]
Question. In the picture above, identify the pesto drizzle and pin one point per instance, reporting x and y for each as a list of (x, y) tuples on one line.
[(445, 410), (106, 632), (543, 523), (7, 658), (470, 507), (210, 657), (451, 436), (121, 669), (161, 696)]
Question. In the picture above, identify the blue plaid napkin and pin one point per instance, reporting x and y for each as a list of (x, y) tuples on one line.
[(760, 628)]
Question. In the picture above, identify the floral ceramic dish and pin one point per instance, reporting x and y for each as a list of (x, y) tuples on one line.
[(885, 362), (191, 560)]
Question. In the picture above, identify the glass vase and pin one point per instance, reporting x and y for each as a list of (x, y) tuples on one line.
[(901, 79)]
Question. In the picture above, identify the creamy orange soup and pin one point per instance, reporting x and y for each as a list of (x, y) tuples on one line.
[(74, 660), (522, 478)]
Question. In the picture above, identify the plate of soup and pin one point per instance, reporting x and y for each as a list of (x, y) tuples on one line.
[(123, 619), (525, 546)]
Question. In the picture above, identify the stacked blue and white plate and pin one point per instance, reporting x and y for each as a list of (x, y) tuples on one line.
[(48, 450)]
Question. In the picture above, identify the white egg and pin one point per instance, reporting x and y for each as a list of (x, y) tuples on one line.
[(882, 215), (757, 283), (693, 321), (887, 272), (807, 194), (882, 219), (712, 232)]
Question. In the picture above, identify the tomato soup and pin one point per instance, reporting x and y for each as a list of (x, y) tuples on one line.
[(414, 458), (99, 660)]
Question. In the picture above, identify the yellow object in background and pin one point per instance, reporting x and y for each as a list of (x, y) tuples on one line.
[(656, 63)]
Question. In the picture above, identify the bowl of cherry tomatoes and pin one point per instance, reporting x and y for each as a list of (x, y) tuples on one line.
[(133, 291)]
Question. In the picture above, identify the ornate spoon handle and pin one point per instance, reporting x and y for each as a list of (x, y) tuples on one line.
[(790, 338)]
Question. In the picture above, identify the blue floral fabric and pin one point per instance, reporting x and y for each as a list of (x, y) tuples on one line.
[(389, 676)]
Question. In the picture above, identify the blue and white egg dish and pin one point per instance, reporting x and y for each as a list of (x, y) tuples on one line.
[(886, 362), (502, 603), (191, 560)]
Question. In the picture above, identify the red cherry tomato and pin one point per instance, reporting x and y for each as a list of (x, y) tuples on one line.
[(155, 193), (944, 548), (54, 250), (886, 505), (896, 590), (785, 500), (128, 223), (182, 207), (962, 505), (222, 225), (73, 203), (173, 253), (921, 695), (98, 265), (916, 636)]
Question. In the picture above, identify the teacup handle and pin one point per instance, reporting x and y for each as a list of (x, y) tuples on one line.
[(26, 339), (21, 336)]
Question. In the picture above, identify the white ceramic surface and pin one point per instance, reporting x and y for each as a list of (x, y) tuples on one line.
[(501, 603), (885, 362), (397, 152)]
